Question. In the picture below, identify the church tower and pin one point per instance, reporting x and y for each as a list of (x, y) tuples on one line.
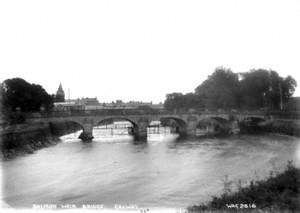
[(60, 94)]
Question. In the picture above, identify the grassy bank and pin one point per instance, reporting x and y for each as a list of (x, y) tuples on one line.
[(280, 193)]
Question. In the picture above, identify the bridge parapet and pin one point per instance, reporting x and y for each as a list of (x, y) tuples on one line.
[(129, 112), (102, 112)]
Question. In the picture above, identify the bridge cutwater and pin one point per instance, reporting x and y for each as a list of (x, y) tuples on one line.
[(186, 122)]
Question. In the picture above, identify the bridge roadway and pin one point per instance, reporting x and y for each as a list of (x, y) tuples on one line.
[(186, 122)]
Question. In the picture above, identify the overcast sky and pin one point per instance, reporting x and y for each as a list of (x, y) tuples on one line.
[(142, 50)]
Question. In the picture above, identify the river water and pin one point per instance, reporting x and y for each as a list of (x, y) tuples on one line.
[(164, 172)]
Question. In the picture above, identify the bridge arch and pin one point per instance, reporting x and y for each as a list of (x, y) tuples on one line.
[(110, 120), (251, 124), (212, 126), (252, 121), (255, 119), (65, 127), (221, 120), (114, 119), (138, 128), (177, 124), (214, 119)]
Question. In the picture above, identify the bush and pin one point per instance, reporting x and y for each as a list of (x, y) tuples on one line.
[(281, 192)]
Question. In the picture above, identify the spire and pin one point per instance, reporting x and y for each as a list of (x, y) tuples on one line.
[(60, 94), (60, 87)]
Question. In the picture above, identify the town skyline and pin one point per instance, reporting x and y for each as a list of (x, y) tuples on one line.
[(69, 96)]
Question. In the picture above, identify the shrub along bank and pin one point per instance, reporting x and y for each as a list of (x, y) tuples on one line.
[(280, 193)]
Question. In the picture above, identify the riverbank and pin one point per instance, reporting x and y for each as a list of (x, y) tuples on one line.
[(281, 126), (20, 139), (279, 193)]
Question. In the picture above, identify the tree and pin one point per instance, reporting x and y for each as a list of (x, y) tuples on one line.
[(192, 101), (254, 87), (274, 93), (173, 101), (220, 90), (19, 94), (180, 101), (265, 88), (257, 88), (288, 86)]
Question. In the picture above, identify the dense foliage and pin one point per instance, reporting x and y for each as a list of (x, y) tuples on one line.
[(220, 90), (262, 88), (183, 102), (225, 89), (18, 94), (277, 193)]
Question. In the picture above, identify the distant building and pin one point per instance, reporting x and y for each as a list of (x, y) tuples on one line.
[(88, 101), (118, 104), (93, 104), (60, 94), (157, 106), (68, 106)]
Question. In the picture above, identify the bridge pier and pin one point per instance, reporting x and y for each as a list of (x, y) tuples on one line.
[(182, 131), (140, 134), (87, 133), (140, 130), (191, 127)]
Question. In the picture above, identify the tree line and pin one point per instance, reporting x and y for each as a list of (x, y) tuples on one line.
[(16, 94), (224, 89)]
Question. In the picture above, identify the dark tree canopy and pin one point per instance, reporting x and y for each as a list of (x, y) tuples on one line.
[(254, 88), (220, 90), (180, 101), (265, 88), (289, 85), (224, 89), (18, 93)]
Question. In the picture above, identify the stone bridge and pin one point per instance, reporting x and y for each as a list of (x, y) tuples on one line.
[(186, 122)]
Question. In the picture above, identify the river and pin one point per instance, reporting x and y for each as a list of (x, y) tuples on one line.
[(163, 172)]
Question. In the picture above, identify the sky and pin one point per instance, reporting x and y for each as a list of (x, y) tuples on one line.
[(142, 50)]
